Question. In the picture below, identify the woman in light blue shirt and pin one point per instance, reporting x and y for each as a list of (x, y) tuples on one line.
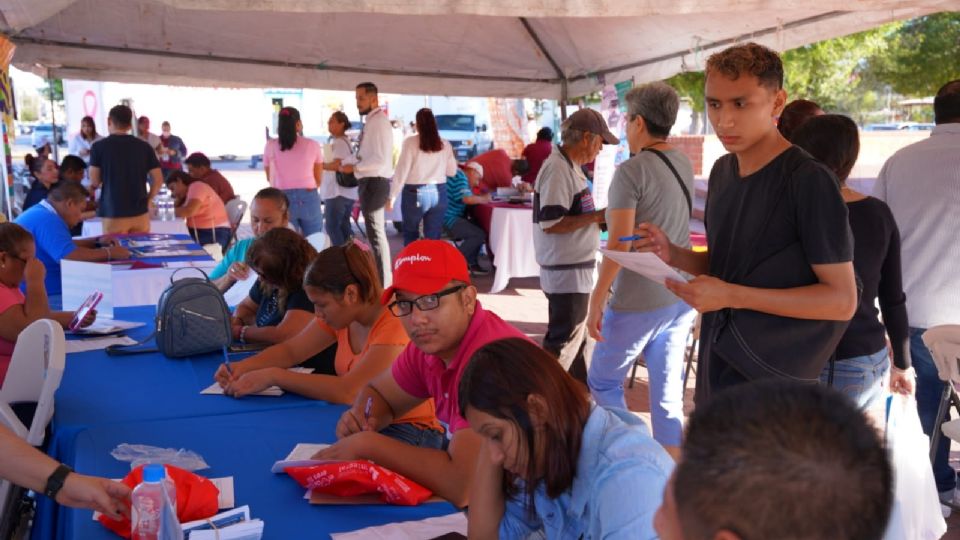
[(552, 462)]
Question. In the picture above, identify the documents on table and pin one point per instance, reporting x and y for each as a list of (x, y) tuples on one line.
[(216, 390), (231, 525), (647, 265), (94, 344), (103, 327), (435, 527), (225, 487), (300, 456)]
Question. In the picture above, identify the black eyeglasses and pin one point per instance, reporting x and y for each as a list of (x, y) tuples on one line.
[(427, 302)]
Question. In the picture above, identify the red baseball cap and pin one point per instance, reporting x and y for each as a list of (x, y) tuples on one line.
[(425, 267)]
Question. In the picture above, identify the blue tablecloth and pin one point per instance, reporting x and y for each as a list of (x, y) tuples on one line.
[(193, 246), (116, 391), (243, 446)]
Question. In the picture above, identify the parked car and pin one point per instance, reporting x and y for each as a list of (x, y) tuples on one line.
[(45, 133), (467, 138)]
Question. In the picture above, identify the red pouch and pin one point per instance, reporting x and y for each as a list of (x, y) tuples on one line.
[(197, 497), (352, 478)]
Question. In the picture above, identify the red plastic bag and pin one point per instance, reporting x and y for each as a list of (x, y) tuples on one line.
[(197, 497), (352, 478)]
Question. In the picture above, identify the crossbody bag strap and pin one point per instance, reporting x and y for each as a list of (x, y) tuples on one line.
[(130, 350), (666, 160)]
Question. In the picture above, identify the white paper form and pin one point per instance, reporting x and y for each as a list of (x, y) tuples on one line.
[(95, 344), (300, 456), (647, 265), (216, 390), (410, 530)]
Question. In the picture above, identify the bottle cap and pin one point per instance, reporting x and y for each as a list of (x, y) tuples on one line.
[(154, 472)]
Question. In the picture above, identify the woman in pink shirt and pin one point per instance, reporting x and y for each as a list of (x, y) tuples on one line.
[(294, 164), (206, 215), (18, 263)]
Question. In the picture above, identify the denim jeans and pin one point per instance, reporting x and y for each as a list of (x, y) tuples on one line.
[(305, 213), (336, 219), (929, 392), (374, 192), (415, 435), (860, 377), (218, 235), (661, 335), (427, 202), (471, 238)]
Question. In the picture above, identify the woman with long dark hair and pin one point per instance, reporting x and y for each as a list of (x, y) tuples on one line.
[(81, 142), (553, 462), (44, 173), (425, 162), (294, 164), (863, 358)]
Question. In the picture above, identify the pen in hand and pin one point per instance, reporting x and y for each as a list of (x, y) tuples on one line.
[(226, 362), (631, 238), (366, 411)]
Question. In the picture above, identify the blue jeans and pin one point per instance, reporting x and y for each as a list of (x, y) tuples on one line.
[(861, 377), (929, 392), (305, 210), (661, 335), (336, 219), (426, 202), (415, 435)]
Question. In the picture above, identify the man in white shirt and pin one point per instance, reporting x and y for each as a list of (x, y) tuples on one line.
[(921, 185), (373, 171)]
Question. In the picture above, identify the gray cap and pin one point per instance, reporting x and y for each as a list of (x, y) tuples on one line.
[(656, 102), (590, 121)]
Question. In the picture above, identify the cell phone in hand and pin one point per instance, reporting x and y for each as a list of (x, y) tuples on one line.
[(81, 313)]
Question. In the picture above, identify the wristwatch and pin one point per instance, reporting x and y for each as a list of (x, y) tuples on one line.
[(56, 480)]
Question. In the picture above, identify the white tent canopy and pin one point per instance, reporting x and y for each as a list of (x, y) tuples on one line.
[(537, 48)]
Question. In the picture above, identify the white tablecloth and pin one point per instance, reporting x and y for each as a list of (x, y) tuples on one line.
[(511, 240), (94, 227)]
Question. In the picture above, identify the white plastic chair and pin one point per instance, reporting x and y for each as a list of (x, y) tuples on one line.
[(34, 375), (236, 208), (944, 344)]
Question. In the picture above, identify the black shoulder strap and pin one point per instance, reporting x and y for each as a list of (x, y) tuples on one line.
[(686, 192), (129, 350)]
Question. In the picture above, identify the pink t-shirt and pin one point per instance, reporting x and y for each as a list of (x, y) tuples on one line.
[(425, 375), (212, 212), (293, 168), (9, 297)]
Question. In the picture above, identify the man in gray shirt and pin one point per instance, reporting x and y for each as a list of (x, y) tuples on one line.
[(643, 316), (566, 236)]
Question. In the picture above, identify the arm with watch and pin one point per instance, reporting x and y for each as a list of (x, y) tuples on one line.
[(98, 249), (26, 466)]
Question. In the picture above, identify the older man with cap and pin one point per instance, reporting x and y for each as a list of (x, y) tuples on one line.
[(438, 307), (567, 236)]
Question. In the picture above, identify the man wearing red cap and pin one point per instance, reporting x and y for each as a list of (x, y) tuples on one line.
[(432, 295)]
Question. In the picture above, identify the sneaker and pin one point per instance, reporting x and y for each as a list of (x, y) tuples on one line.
[(948, 496), (477, 270)]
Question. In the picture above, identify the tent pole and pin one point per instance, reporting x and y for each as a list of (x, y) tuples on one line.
[(563, 99), (53, 123)]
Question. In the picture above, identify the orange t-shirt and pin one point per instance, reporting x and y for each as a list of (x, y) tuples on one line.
[(386, 330)]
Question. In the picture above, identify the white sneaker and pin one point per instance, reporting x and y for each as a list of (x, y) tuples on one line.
[(948, 496)]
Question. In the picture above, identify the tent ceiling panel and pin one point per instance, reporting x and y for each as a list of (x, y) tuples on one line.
[(451, 47)]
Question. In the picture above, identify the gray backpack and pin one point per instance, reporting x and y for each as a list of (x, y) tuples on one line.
[(192, 318)]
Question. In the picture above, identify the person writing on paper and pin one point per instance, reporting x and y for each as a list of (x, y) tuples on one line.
[(438, 307), (552, 463), (50, 221), (344, 287), (269, 210), (643, 316), (26, 466), (206, 215), (277, 307), (21, 308)]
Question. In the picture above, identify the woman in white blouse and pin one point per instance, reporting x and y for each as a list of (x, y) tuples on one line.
[(425, 162), (338, 201), (81, 142)]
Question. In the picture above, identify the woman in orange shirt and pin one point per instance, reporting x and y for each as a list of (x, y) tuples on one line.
[(343, 284), (206, 215)]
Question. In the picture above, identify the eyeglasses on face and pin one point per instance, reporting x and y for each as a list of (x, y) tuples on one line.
[(427, 302)]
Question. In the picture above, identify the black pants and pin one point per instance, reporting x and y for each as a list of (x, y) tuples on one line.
[(567, 336)]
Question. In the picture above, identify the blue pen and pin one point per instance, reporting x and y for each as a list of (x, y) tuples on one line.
[(631, 238), (226, 362)]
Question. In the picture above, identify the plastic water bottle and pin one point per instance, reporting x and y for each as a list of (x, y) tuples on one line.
[(165, 205), (153, 506)]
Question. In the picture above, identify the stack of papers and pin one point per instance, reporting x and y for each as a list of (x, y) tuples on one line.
[(216, 390), (103, 327), (449, 526), (647, 265), (232, 525), (300, 456), (96, 344)]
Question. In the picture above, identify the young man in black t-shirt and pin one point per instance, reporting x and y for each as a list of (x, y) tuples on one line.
[(776, 285)]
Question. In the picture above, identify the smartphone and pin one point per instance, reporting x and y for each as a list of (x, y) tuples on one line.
[(87, 305), (247, 347)]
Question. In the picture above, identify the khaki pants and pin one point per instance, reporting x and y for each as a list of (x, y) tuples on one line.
[(124, 225)]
